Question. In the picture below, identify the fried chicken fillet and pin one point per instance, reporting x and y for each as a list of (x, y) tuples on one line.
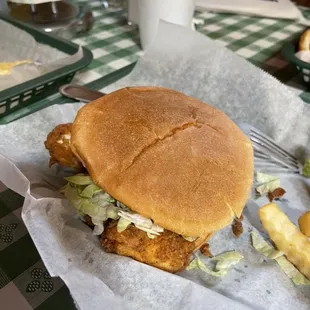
[(58, 143), (168, 251)]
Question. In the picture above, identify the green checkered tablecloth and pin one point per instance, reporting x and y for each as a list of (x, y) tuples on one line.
[(24, 281), (114, 44)]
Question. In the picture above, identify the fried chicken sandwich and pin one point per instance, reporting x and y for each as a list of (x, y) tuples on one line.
[(163, 172)]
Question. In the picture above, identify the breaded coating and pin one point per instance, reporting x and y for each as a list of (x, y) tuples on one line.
[(168, 251), (276, 194), (237, 227), (88, 221), (205, 250), (58, 144)]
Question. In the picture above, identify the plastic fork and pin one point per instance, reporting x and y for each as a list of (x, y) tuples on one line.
[(268, 154)]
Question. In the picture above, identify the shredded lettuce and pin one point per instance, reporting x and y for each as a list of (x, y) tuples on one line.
[(141, 222), (99, 228), (263, 247), (120, 205), (73, 196), (151, 236), (223, 262), (287, 267), (101, 199), (190, 239), (227, 259), (137, 219), (152, 231), (306, 169), (80, 179), (290, 270), (112, 200), (197, 263), (97, 207), (90, 190), (89, 199), (122, 224), (267, 183)]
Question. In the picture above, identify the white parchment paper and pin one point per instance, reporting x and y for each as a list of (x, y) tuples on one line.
[(19, 45), (191, 63)]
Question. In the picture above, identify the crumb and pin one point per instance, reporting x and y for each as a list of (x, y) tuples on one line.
[(276, 194), (88, 221), (205, 250), (257, 194), (237, 227)]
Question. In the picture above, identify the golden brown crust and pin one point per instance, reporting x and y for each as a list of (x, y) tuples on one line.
[(201, 240), (168, 251), (286, 237), (167, 156), (276, 194), (205, 250), (304, 223), (237, 227), (58, 144)]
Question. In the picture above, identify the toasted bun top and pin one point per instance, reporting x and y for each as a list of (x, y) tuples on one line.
[(167, 156)]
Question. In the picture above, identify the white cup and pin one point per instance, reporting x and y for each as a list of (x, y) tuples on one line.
[(178, 12), (133, 12)]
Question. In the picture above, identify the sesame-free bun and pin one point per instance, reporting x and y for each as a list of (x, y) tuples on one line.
[(167, 156)]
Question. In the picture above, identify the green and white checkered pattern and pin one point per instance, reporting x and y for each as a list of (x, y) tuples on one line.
[(115, 44), (259, 40), (24, 282)]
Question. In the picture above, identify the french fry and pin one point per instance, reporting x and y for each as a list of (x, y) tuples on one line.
[(287, 238), (304, 224)]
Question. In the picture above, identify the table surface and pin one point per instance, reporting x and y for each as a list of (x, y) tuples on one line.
[(114, 44), (24, 281)]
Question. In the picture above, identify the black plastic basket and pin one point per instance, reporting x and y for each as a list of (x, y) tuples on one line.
[(27, 93), (289, 50)]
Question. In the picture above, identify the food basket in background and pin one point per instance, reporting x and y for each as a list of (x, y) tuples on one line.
[(25, 94), (289, 50)]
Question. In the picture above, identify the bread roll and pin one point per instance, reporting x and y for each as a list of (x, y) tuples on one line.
[(167, 156)]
